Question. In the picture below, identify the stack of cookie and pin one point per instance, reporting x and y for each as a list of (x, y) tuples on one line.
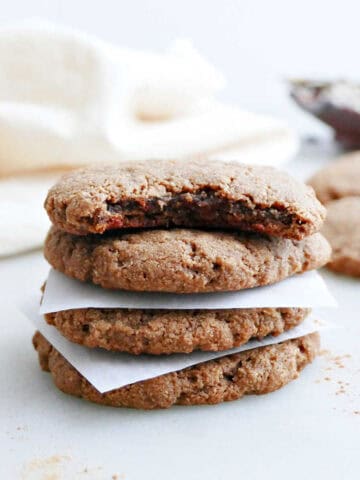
[(166, 226)]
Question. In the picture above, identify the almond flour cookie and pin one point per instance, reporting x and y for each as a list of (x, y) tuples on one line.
[(194, 194), (342, 229), (172, 331), (340, 179), (182, 261), (257, 371)]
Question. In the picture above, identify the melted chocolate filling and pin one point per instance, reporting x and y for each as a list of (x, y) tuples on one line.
[(202, 209)]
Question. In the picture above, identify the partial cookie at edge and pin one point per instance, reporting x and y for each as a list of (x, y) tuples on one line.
[(339, 179), (342, 230)]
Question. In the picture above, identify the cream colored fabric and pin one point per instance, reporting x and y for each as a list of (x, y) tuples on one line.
[(23, 221), (68, 99)]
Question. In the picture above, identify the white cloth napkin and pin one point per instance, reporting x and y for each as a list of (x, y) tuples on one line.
[(23, 221), (68, 99)]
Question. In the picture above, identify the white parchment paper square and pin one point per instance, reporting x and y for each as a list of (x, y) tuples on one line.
[(110, 370), (305, 290)]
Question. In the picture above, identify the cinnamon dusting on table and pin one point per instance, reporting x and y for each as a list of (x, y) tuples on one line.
[(334, 364), (49, 468)]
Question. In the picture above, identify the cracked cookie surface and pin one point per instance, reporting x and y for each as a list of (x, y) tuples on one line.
[(182, 261), (172, 331), (253, 372)]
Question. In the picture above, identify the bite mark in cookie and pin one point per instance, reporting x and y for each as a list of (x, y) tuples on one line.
[(195, 194)]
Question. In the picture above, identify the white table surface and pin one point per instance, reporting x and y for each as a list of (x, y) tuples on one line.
[(308, 429)]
